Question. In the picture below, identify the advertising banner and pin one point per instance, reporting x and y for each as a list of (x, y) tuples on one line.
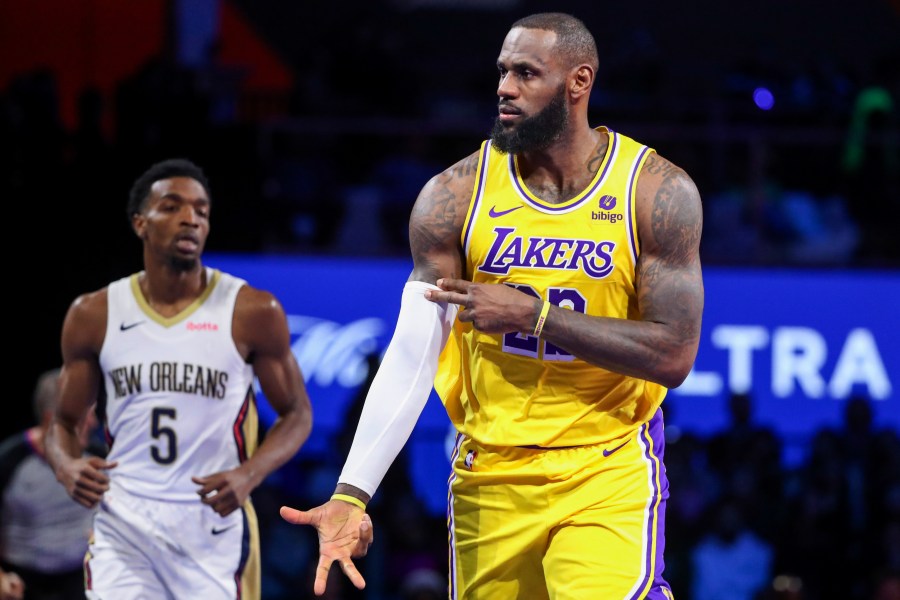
[(799, 342)]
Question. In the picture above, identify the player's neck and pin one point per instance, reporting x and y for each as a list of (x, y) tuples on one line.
[(566, 167), (169, 290)]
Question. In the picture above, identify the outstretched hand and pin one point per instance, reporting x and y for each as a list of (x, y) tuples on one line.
[(345, 531)]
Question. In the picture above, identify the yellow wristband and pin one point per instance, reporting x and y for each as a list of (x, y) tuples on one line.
[(350, 499), (539, 327)]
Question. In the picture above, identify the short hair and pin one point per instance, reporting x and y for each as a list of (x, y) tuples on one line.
[(573, 39), (46, 392), (173, 167)]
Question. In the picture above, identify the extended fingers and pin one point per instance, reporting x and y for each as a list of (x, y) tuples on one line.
[(294, 516), (451, 284), (322, 574), (452, 290), (347, 566), (353, 574), (452, 297)]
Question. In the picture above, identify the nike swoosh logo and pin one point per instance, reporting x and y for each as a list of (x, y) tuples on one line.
[(494, 213), (124, 327), (217, 531), (608, 452)]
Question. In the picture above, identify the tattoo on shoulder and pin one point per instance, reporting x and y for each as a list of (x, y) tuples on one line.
[(677, 219), (464, 168), (438, 215), (656, 165), (437, 220)]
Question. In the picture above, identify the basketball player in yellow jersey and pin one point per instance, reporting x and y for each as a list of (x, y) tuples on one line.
[(556, 295)]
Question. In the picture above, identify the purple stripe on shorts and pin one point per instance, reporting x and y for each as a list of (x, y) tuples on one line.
[(451, 540), (654, 449)]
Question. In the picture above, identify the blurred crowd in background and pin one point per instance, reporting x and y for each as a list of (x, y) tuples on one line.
[(794, 148), (742, 523)]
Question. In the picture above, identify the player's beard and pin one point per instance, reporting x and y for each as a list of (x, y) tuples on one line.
[(533, 133)]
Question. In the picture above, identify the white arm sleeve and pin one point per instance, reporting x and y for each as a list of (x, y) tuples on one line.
[(400, 388)]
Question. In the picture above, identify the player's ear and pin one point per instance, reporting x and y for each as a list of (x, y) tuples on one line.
[(138, 224), (581, 80)]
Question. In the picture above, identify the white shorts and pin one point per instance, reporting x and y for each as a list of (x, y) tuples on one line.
[(143, 549)]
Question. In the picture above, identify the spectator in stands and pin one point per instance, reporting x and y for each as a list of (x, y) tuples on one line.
[(43, 534)]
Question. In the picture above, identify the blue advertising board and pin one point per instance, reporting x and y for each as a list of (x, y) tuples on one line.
[(799, 342)]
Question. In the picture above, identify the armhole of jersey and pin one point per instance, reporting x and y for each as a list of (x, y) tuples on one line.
[(235, 285), (477, 194), (107, 331), (114, 293), (634, 241)]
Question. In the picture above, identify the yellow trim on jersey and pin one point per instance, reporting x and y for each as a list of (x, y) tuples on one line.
[(214, 275), (250, 426), (251, 576)]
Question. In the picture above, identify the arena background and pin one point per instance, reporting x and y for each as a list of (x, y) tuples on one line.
[(319, 122)]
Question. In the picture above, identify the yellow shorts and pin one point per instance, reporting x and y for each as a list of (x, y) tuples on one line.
[(565, 524)]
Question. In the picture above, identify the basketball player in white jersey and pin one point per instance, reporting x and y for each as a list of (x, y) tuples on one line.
[(172, 352)]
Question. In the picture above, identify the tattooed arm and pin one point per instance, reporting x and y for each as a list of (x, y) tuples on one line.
[(662, 345), (436, 222)]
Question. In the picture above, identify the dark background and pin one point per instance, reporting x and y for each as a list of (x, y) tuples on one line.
[(294, 109), (317, 123)]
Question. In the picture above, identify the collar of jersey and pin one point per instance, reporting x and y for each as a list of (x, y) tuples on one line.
[(212, 278), (569, 205)]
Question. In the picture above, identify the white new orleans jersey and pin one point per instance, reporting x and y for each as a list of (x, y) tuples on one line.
[(179, 396)]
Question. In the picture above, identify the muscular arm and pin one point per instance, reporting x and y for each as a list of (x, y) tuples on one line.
[(662, 345), (261, 326), (261, 334), (436, 222), (83, 331)]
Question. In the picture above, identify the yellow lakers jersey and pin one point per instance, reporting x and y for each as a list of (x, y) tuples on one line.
[(520, 390)]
